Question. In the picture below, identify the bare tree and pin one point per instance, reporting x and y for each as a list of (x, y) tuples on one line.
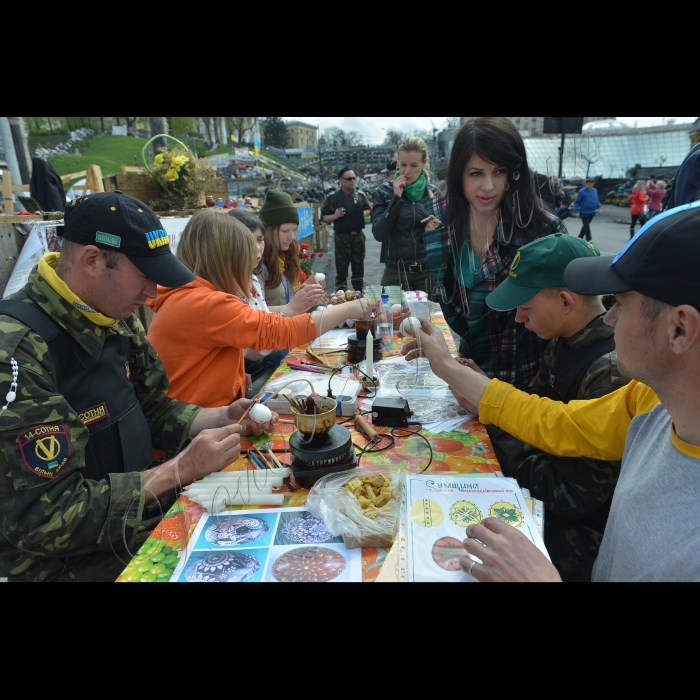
[(394, 137), (589, 152)]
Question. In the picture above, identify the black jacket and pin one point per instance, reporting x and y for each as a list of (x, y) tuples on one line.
[(46, 186), (686, 188), (396, 224)]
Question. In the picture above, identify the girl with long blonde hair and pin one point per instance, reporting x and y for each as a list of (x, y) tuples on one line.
[(202, 330)]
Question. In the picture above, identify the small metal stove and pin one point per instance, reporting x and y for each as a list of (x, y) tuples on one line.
[(327, 454)]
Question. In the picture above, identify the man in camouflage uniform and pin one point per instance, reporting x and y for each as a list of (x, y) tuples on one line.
[(87, 401), (580, 363), (347, 209)]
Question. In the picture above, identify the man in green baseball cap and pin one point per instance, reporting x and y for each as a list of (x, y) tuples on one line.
[(580, 363)]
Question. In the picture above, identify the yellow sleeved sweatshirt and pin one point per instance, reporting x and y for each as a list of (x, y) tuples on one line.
[(595, 429)]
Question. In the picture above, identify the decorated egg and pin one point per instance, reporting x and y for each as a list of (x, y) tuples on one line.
[(260, 414), (320, 277), (350, 296), (409, 323)]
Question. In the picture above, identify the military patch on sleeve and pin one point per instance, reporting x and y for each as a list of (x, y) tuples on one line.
[(94, 414), (45, 450)]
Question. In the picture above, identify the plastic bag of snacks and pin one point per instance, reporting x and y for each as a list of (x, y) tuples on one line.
[(362, 505)]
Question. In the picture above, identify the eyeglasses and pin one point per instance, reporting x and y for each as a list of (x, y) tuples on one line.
[(350, 179)]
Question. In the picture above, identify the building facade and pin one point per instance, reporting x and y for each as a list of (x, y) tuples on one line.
[(302, 136), (535, 125), (695, 133)]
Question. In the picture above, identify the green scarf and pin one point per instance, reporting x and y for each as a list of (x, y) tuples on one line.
[(416, 191)]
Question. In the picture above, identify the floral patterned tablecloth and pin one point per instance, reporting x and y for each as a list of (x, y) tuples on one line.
[(461, 452)]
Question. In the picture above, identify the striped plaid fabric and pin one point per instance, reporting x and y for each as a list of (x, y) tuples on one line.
[(503, 349)]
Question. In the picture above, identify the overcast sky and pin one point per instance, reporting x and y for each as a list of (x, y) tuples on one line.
[(372, 128)]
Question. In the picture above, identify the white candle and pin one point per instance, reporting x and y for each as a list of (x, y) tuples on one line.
[(258, 474), (226, 491), (369, 364), (253, 500), (233, 486)]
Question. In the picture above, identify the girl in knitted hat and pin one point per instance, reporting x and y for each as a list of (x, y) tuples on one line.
[(201, 330), (286, 288)]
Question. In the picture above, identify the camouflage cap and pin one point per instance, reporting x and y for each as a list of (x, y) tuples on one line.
[(117, 222), (537, 266)]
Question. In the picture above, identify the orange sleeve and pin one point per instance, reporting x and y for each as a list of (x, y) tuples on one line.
[(229, 322)]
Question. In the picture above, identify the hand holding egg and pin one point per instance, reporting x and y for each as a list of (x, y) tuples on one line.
[(260, 414), (410, 327), (255, 419)]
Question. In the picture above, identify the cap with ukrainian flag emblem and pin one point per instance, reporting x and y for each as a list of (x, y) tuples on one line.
[(661, 262), (120, 223)]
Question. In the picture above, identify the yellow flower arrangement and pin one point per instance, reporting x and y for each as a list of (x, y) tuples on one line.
[(182, 180), (179, 161)]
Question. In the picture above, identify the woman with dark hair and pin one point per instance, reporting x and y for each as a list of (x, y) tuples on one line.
[(491, 209)]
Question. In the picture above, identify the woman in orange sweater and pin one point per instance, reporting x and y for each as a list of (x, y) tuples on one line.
[(201, 330)]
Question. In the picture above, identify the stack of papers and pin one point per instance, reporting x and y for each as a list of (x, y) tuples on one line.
[(437, 509)]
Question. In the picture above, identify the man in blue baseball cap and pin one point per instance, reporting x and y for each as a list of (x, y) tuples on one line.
[(654, 421)]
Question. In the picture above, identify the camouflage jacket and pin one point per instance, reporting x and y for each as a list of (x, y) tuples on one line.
[(577, 493), (67, 528), (355, 218)]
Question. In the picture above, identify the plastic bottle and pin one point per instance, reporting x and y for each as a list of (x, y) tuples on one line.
[(386, 322)]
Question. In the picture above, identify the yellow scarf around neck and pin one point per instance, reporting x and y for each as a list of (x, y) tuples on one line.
[(283, 264), (47, 269)]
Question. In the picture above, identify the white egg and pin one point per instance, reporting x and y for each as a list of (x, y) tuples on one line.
[(409, 323), (320, 277), (397, 308), (260, 414)]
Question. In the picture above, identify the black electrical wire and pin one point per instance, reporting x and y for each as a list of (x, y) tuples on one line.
[(374, 443), (415, 433)]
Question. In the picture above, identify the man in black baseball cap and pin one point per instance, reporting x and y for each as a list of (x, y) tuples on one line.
[(87, 402), (654, 421), (390, 171)]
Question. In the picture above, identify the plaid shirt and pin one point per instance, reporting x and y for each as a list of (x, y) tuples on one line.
[(504, 349)]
